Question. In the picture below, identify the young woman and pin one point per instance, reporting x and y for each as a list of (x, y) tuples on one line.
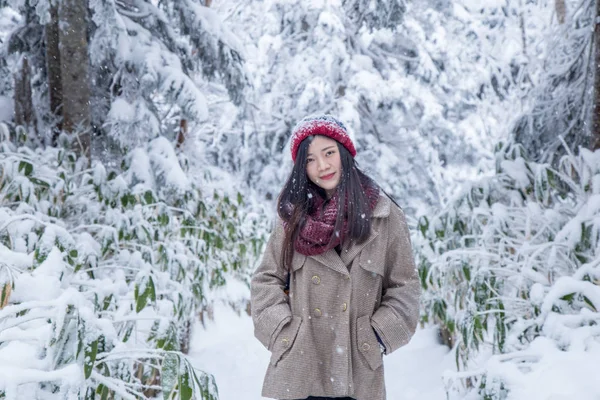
[(337, 286)]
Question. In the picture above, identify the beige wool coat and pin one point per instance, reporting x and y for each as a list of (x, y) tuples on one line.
[(321, 336)]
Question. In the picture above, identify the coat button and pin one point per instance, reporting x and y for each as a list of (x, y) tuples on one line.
[(317, 312), (285, 341), (366, 346), (347, 276), (344, 306), (316, 280)]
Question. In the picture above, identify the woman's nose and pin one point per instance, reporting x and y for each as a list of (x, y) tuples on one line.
[(323, 165)]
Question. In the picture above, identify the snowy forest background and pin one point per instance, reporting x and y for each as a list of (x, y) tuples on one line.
[(143, 144)]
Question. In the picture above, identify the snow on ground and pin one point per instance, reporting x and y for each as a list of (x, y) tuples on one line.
[(228, 350)]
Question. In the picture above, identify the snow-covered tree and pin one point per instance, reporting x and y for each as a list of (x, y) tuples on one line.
[(422, 85), (559, 103), (152, 62), (375, 13), (151, 65)]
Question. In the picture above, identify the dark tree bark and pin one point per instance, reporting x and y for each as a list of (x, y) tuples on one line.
[(561, 10), (182, 134), (74, 62), (54, 73), (596, 99), (24, 114), (523, 33)]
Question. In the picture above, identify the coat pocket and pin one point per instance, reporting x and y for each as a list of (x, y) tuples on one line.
[(285, 339), (367, 342)]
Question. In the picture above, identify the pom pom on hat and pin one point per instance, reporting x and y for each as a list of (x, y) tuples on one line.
[(325, 125)]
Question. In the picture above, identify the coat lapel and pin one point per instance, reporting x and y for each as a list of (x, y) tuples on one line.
[(331, 259), (348, 254), (351, 249), (382, 209)]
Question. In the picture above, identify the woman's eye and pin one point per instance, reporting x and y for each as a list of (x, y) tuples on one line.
[(330, 152), (309, 160)]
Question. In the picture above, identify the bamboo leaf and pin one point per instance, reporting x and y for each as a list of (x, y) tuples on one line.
[(90, 358), (148, 197), (26, 168), (152, 289), (185, 390), (169, 372), (142, 301)]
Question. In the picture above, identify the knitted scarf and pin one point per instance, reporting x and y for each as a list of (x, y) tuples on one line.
[(315, 236)]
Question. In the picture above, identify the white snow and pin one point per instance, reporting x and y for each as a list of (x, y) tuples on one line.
[(166, 165), (517, 171), (557, 375)]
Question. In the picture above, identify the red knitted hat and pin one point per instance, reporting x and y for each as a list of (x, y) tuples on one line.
[(325, 125)]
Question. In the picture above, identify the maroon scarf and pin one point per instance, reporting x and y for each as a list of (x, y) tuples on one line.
[(318, 230)]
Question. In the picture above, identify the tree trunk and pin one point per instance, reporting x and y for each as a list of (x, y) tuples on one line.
[(24, 114), (74, 61), (183, 128), (523, 33), (561, 10), (596, 99), (54, 73)]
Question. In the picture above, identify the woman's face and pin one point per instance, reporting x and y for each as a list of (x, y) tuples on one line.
[(323, 163)]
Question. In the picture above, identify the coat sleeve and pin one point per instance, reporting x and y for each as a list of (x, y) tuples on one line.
[(395, 321), (268, 302)]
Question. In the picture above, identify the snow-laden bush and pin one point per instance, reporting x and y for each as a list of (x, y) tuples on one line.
[(510, 271), (102, 273)]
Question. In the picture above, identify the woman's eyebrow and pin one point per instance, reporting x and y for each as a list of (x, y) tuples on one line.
[(326, 148)]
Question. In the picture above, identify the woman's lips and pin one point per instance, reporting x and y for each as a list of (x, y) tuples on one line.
[(327, 177)]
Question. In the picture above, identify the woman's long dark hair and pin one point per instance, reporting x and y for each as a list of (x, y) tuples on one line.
[(297, 199)]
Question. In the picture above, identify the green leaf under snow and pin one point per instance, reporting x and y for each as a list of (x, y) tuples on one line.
[(169, 372), (185, 390), (26, 168), (90, 358)]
